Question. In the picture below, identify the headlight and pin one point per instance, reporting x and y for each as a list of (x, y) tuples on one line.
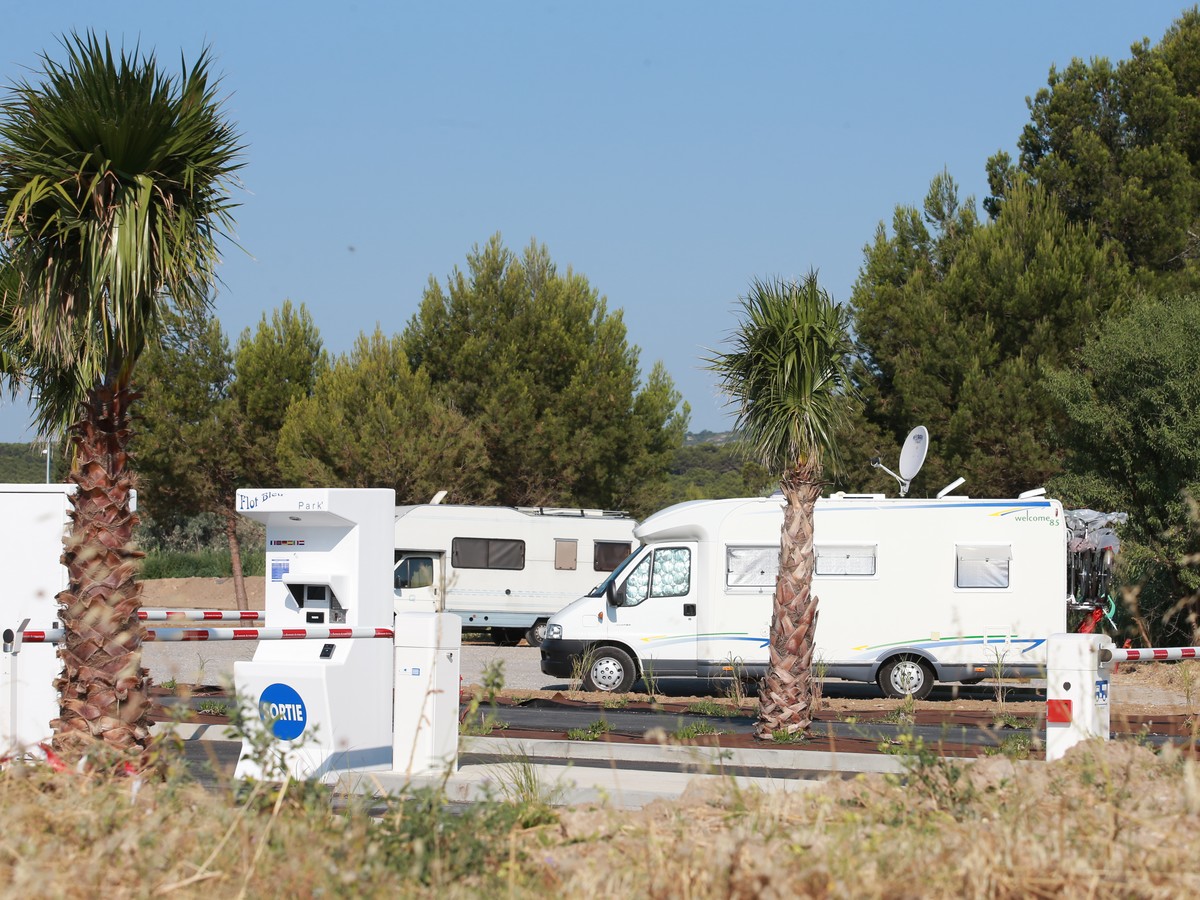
[(554, 632)]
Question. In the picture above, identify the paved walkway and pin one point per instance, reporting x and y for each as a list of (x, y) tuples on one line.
[(624, 776)]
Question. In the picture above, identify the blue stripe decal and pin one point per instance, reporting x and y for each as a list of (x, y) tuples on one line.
[(1014, 506)]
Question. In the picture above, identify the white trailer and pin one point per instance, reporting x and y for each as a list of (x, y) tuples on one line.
[(910, 592), (502, 568)]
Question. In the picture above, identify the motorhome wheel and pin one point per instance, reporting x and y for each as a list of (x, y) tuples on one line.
[(535, 635), (612, 670), (905, 676)]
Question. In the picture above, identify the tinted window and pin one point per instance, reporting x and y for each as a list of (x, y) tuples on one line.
[(487, 553), (607, 555)]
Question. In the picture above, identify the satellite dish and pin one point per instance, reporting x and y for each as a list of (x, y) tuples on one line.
[(912, 455)]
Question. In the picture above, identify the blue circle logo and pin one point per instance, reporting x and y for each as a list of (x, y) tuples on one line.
[(283, 709)]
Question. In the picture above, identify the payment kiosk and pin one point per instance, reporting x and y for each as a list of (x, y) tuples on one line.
[(359, 704), (329, 555)]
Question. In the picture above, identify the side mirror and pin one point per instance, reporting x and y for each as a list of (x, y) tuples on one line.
[(610, 593)]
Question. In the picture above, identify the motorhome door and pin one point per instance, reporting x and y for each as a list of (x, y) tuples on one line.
[(418, 579), (655, 611)]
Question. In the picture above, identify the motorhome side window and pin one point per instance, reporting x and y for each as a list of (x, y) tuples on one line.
[(845, 559), (982, 565), (665, 573), (487, 553), (751, 567), (607, 555)]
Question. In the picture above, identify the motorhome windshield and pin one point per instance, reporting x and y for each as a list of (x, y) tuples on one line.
[(599, 590)]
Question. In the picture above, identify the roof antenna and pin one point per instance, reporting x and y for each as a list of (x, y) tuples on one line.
[(912, 457), (950, 487)]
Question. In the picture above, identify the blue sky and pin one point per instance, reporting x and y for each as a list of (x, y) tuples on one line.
[(669, 151)]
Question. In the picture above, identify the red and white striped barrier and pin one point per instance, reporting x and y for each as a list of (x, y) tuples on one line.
[(55, 635), (1128, 654), (1078, 672), (199, 615)]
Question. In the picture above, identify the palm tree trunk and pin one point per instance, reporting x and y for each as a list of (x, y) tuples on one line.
[(785, 695), (103, 685), (235, 557)]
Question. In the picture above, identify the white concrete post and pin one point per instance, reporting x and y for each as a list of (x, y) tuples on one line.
[(33, 518), (1077, 686), (425, 716)]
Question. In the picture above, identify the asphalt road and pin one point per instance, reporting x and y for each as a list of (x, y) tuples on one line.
[(212, 663)]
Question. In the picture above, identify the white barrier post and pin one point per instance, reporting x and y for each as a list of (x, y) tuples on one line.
[(1077, 689), (33, 518), (425, 717)]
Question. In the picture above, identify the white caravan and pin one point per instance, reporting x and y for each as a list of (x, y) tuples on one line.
[(504, 568), (911, 592)]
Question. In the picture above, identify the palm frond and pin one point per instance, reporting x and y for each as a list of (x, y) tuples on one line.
[(114, 191), (788, 374)]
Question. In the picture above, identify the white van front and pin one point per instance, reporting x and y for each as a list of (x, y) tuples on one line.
[(643, 616)]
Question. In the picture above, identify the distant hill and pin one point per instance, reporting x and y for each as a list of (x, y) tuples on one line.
[(708, 437), (21, 464), (26, 464)]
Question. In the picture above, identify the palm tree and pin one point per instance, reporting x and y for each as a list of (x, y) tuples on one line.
[(114, 190), (788, 376)]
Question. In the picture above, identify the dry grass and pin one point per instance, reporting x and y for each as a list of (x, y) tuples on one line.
[(1110, 820), (1182, 677), (77, 836)]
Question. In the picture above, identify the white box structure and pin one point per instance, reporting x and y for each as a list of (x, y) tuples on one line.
[(1077, 691), (428, 650), (329, 563), (32, 524)]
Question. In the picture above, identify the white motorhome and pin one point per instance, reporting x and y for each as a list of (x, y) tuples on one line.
[(502, 568), (910, 592)]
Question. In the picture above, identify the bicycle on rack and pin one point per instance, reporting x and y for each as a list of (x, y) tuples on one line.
[(1092, 547)]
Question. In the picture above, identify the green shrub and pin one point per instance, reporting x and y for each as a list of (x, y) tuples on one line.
[(199, 564), (592, 732)]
